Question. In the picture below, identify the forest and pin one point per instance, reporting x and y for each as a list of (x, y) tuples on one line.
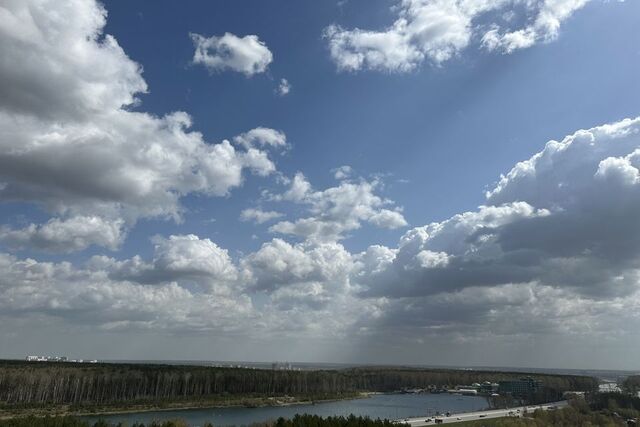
[(24, 384)]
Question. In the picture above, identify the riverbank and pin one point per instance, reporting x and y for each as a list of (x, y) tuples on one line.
[(382, 406), (216, 403), (51, 388)]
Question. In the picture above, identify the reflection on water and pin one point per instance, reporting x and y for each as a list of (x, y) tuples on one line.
[(391, 406)]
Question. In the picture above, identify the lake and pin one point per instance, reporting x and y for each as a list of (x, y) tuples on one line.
[(391, 406)]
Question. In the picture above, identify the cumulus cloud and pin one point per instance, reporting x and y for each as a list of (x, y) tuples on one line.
[(70, 143), (475, 314), (258, 215), (284, 87), (247, 55), (178, 258), (88, 296), (278, 263), (68, 235), (553, 251), (190, 285), (545, 27), (261, 137), (342, 172), (309, 286), (566, 219), (338, 210), (436, 30), (63, 68)]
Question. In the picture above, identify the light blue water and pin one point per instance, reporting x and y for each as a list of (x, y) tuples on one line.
[(390, 406)]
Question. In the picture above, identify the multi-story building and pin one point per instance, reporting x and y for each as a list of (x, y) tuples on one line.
[(523, 387)]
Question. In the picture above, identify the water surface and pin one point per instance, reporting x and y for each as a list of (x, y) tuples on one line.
[(390, 406)]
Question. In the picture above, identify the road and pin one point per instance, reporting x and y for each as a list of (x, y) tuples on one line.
[(480, 415)]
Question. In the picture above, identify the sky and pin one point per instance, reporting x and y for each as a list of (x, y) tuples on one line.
[(438, 182)]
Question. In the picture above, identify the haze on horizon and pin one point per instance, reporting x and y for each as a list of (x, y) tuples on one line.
[(358, 181)]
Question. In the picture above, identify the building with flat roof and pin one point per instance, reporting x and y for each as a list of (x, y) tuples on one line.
[(523, 387)]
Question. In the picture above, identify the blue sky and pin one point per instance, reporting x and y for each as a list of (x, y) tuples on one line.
[(448, 130), (113, 213)]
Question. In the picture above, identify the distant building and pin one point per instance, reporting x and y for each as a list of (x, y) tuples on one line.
[(488, 387), (54, 359), (609, 387), (523, 387), (286, 366)]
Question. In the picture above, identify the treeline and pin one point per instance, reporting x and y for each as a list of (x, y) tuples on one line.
[(601, 410), (306, 420), (568, 417), (623, 404), (632, 384), (297, 421), (77, 422), (24, 384)]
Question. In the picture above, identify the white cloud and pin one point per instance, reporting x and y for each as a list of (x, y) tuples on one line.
[(386, 218), (178, 258), (342, 172), (278, 263), (567, 218), (336, 210), (190, 285), (258, 215), (308, 286), (261, 137), (89, 297), (554, 252), (65, 235), (69, 141), (477, 314), (56, 64), (246, 54), (545, 27), (299, 188), (437, 30), (284, 87)]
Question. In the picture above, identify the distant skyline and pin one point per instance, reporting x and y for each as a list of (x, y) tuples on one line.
[(358, 181)]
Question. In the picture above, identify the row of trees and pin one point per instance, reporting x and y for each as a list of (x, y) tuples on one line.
[(632, 384), (57, 383), (568, 417), (76, 422), (297, 421)]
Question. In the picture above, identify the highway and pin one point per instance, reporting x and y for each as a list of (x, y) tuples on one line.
[(480, 415)]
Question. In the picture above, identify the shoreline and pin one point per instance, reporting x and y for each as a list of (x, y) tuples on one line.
[(263, 403)]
